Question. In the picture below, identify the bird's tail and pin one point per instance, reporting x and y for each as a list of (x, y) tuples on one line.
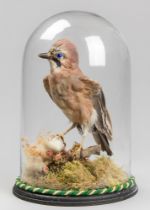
[(101, 139)]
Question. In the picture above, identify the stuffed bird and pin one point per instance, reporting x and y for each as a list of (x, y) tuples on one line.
[(80, 98)]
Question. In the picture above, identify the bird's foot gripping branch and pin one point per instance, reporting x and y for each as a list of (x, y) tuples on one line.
[(49, 164)]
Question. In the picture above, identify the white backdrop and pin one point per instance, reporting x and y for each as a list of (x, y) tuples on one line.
[(17, 21)]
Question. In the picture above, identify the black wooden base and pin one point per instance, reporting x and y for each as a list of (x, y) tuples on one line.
[(74, 201)]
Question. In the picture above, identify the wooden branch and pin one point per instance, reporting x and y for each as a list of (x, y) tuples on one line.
[(77, 153), (92, 150)]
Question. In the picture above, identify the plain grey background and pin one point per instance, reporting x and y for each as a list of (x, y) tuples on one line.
[(17, 21)]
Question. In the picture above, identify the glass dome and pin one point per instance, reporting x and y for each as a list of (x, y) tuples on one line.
[(82, 80)]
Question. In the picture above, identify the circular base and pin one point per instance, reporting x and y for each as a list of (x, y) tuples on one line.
[(74, 201)]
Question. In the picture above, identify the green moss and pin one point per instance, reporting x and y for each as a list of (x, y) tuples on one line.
[(75, 175), (81, 174)]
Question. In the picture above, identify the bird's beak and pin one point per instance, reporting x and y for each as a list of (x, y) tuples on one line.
[(45, 55)]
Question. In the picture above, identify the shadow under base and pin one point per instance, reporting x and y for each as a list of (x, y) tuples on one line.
[(75, 200)]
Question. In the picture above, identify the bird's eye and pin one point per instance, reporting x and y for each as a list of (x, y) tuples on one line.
[(59, 55)]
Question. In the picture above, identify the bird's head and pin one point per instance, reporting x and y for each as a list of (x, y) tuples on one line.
[(63, 54)]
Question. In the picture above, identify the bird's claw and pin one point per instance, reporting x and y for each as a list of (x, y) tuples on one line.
[(61, 135)]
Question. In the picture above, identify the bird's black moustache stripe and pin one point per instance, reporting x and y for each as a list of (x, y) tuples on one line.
[(58, 63)]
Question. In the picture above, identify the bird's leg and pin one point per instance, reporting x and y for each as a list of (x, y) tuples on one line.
[(82, 141), (67, 130), (70, 128)]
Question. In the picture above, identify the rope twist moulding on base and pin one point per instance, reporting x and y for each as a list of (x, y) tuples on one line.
[(87, 192)]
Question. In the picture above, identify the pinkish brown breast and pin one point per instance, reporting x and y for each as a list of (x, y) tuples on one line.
[(73, 103)]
